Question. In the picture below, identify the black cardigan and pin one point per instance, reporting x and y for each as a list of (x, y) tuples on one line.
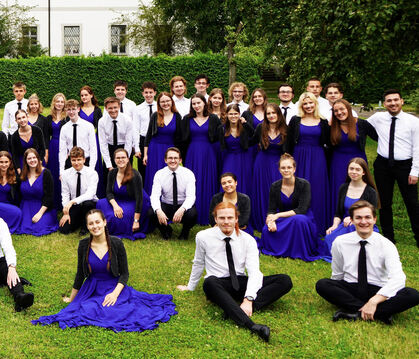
[(48, 189), (243, 206), (153, 128), (134, 188), (42, 123), (4, 144), (213, 124), (49, 126), (301, 198), (364, 129), (245, 136), (257, 137), (119, 262), (293, 134), (97, 115), (248, 116), (369, 195), (38, 145)]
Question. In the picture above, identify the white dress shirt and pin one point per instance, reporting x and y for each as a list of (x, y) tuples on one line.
[(86, 139), (6, 245), (105, 133), (210, 253), (141, 121), (406, 137), (291, 111), (9, 125), (243, 106), (162, 189), (183, 105), (383, 263), (88, 185)]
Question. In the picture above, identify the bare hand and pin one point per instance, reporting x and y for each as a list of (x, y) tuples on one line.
[(247, 307), (331, 229), (36, 217), (242, 120), (118, 211), (110, 299), (177, 217), (138, 154), (110, 169), (270, 218), (182, 287), (135, 226), (66, 300), (66, 208), (161, 216), (145, 160), (347, 221), (272, 226), (412, 179), (368, 311), (12, 277), (65, 218)]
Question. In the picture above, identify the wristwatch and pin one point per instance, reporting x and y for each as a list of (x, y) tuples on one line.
[(250, 299)]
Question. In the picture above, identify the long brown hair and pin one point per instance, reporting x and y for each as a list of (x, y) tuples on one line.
[(335, 125), (160, 114), (192, 112), (10, 172), (90, 91), (227, 124), (252, 106), (223, 105), (108, 240), (128, 173), (25, 169), (281, 126), (54, 111)]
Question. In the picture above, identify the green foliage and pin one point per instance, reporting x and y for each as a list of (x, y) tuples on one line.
[(49, 75)]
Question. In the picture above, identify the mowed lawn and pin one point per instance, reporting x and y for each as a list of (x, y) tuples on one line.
[(300, 322)]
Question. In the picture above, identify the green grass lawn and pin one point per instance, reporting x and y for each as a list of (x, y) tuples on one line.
[(300, 322)]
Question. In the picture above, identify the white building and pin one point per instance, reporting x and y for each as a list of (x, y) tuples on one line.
[(77, 27)]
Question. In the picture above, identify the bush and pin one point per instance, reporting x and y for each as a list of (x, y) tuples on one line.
[(48, 75)]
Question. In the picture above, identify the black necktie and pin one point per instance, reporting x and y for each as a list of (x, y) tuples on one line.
[(121, 108), (175, 201), (74, 135), (232, 270), (362, 272), (285, 111), (78, 186), (115, 133), (151, 111), (391, 142), (19, 105)]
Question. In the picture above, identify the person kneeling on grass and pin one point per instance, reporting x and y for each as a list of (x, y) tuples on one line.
[(367, 277), (226, 252)]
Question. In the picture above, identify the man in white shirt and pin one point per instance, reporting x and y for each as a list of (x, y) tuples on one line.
[(9, 125), (285, 95), (173, 196), (238, 93), (115, 131), (367, 277), (333, 92), (226, 252), (76, 133), (178, 91), (127, 106), (78, 192), (315, 87), (201, 84), (142, 116), (8, 274), (397, 160)]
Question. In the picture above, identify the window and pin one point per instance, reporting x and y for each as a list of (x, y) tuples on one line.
[(30, 35), (119, 39), (72, 40)]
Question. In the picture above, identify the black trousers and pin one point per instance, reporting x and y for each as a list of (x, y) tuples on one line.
[(18, 288), (385, 177), (220, 291), (141, 167), (77, 216), (68, 162), (188, 220), (345, 296)]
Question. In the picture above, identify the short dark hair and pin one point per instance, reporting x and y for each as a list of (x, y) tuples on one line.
[(314, 78), (362, 204), (174, 149), (228, 174), (77, 152), (335, 85), (120, 83), (149, 85), (391, 92), (285, 85), (202, 76)]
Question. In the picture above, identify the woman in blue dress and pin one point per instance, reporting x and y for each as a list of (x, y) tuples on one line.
[(290, 229), (200, 132), (55, 121), (163, 131), (348, 136), (9, 189), (39, 218), (359, 185), (270, 136), (308, 136), (91, 112), (126, 204), (100, 295), (234, 137), (217, 104)]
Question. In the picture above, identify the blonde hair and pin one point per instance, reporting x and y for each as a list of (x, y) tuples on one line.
[(34, 97), (313, 98), (233, 86)]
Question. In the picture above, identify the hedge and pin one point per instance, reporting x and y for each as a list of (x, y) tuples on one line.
[(48, 75)]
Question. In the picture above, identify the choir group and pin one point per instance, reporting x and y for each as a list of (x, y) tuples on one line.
[(293, 171)]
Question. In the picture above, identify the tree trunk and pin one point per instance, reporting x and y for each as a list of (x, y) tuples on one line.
[(231, 43)]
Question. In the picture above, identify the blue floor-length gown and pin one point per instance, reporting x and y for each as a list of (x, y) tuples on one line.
[(30, 204), (312, 166), (133, 310), (10, 213), (265, 172), (25, 146), (53, 163), (159, 143), (201, 159), (122, 227), (295, 237)]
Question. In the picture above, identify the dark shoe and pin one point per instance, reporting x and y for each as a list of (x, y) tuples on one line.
[(388, 320), (83, 232), (167, 233), (24, 281), (340, 314), (23, 300), (184, 234), (262, 330)]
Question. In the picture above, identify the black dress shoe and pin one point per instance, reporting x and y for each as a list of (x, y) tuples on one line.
[(24, 281), (167, 233), (340, 314), (387, 320), (262, 330), (23, 300), (183, 234)]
